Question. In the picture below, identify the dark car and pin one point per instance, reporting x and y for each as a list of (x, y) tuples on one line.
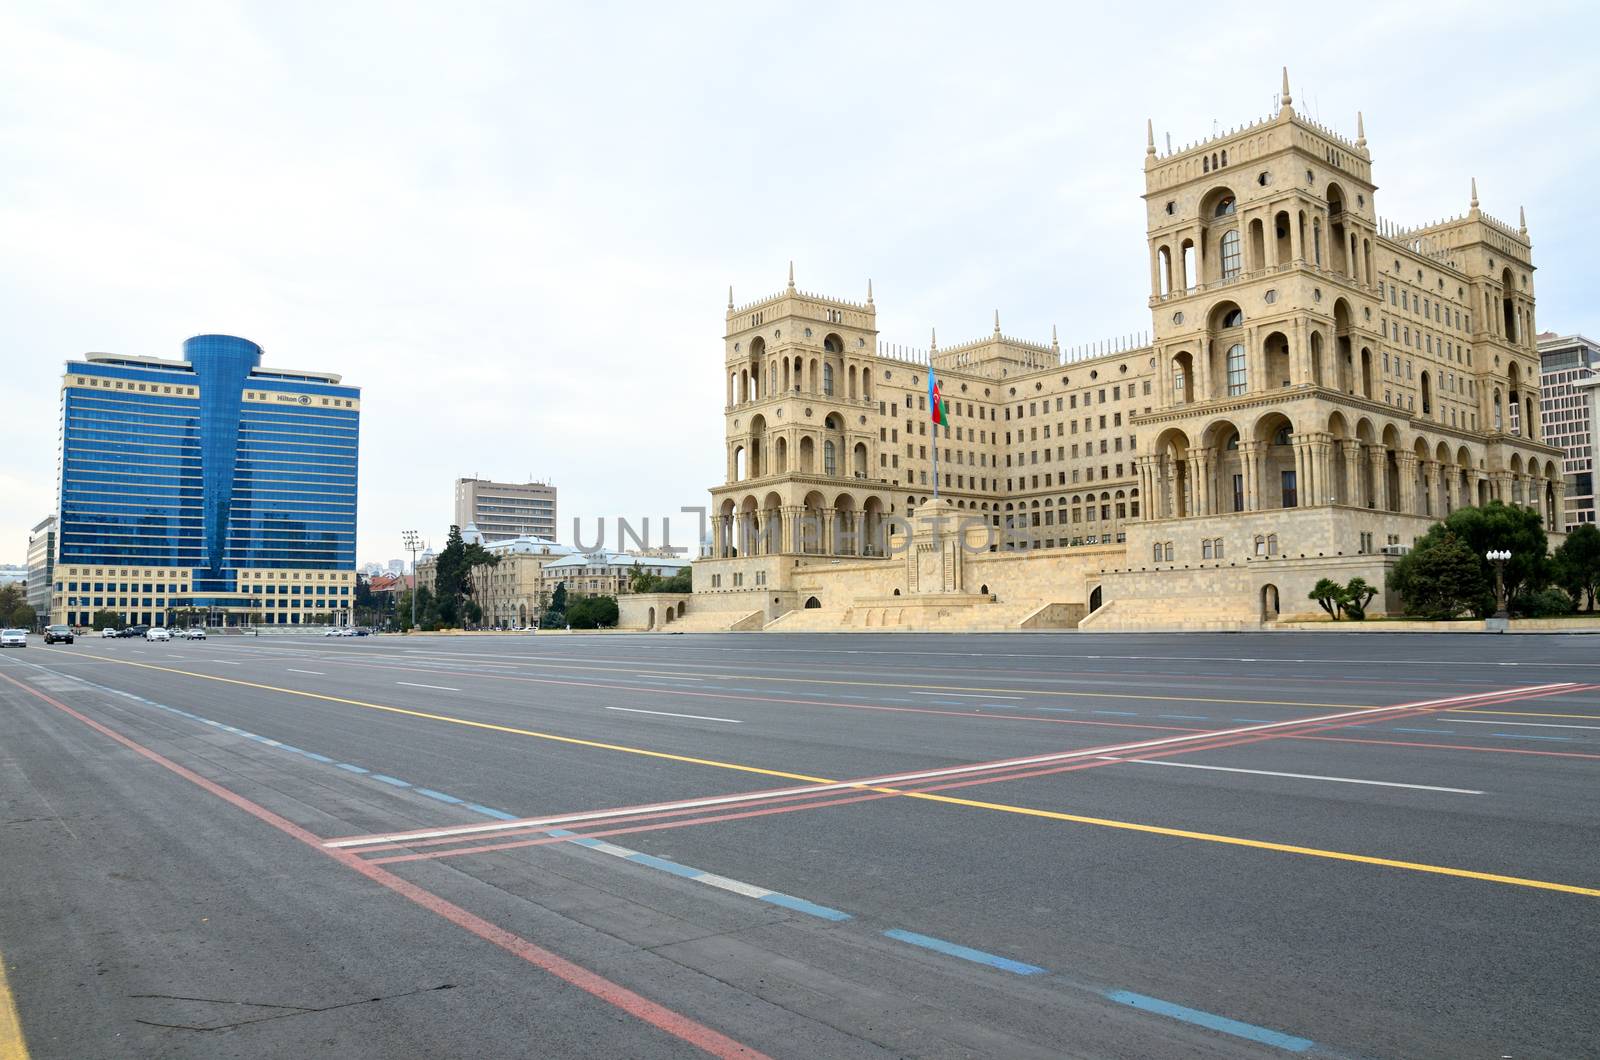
[(134, 631), (359, 633), (58, 634)]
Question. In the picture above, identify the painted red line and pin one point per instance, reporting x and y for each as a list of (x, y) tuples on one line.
[(641, 1008)]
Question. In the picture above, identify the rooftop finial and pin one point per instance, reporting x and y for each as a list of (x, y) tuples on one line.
[(1149, 137), (791, 275), (997, 321), (1361, 130), (730, 296), (933, 339), (1284, 99), (1522, 221), (1055, 344), (1474, 193), (869, 290)]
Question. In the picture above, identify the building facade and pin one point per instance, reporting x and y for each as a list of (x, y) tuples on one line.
[(1565, 363), (41, 565), (1318, 386), (505, 510), (209, 488)]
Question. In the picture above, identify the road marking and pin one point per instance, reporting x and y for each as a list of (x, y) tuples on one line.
[(1292, 776), (436, 688), (1528, 736), (669, 714), (1527, 714), (966, 953), (1397, 728), (12, 1044), (1211, 1021), (314, 673), (222, 662), (1526, 724), (591, 982), (964, 695), (821, 785)]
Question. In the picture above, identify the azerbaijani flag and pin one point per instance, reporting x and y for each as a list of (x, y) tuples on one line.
[(938, 406)]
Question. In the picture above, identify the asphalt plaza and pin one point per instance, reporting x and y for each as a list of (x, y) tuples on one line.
[(1357, 845)]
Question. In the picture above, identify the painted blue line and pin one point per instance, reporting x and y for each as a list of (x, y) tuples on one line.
[(1187, 717), (562, 831), (351, 768), (966, 953), (441, 796), (1396, 729), (1525, 736), (1211, 1021), (489, 811), (800, 905), (317, 758), (1119, 713), (664, 865), (1055, 710), (587, 842), (396, 781)]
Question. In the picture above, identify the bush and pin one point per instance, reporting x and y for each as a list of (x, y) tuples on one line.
[(592, 612), (1546, 603)]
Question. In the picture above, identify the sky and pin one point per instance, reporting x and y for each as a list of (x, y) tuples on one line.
[(514, 225)]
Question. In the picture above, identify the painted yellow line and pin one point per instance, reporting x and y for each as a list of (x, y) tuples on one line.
[(1524, 714), (12, 1044), (490, 726), (1000, 807), (1261, 844)]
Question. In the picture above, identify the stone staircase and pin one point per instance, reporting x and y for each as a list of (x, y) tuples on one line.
[(920, 614), (1157, 615), (714, 622)]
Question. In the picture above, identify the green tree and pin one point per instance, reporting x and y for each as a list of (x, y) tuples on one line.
[(1330, 596), (592, 612), (105, 619), (14, 607), (1357, 595), (558, 599), (681, 582), (1440, 578), (1575, 566), (1511, 527)]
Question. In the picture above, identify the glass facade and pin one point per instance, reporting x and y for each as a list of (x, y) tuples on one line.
[(216, 474)]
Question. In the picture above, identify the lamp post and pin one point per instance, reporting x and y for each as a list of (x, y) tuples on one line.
[(1498, 557), (411, 541)]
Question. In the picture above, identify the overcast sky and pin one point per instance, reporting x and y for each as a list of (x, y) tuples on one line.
[(514, 225)]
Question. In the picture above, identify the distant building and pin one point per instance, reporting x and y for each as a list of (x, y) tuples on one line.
[(1567, 416), (243, 505), (603, 573), (513, 592), (396, 566), (10, 572), (505, 510), (41, 565)]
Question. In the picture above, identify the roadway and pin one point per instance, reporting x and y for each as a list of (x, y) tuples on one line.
[(802, 846)]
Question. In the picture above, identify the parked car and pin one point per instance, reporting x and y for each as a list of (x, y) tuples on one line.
[(134, 631), (108, 632), (332, 632), (155, 633), (193, 634), (58, 634), (13, 638), (359, 632)]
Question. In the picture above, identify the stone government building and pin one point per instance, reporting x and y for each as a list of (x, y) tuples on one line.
[(1319, 386)]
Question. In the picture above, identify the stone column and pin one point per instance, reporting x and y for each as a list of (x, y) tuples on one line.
[(1297, 250), (1250, 465), (1352, 472), (1407, 463), (1536, 491), (1202, 371), (1200, 480), (1430, 489), (1378, 462)]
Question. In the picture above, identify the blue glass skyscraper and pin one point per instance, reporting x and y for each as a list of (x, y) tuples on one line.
[(210, 484)]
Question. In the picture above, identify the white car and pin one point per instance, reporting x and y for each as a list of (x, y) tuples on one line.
[(193, 634), (13, 638), (330, 632), (108, 633), (157, 633)]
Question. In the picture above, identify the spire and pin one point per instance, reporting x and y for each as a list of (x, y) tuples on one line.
[(1522, 221), (869, 290), (730, 296), (1474, 193), (997, 322), (791, 275), (1361, 130), (1149, 137), (933, 340), (1055, 344), (1285, 100)]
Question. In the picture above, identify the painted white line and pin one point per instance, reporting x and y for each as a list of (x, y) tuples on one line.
[(1292, 776), (929, 774), (668, 714), (436, 688), (1453, 720), (314, 673), (963, 695), (749, 890), (222, 662), (666, 677)]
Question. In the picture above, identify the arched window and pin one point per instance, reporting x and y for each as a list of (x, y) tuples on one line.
[(1157, 549), (827, 379), (1230, 253), (1225, 206), (1205, 549), (829, 462), (1272, 544), (1233, 318), (1169, 551), (1218, 550), (1236, 371)]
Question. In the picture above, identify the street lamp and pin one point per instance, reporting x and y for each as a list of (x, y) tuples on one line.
[(411, 541), (1498, 557)]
